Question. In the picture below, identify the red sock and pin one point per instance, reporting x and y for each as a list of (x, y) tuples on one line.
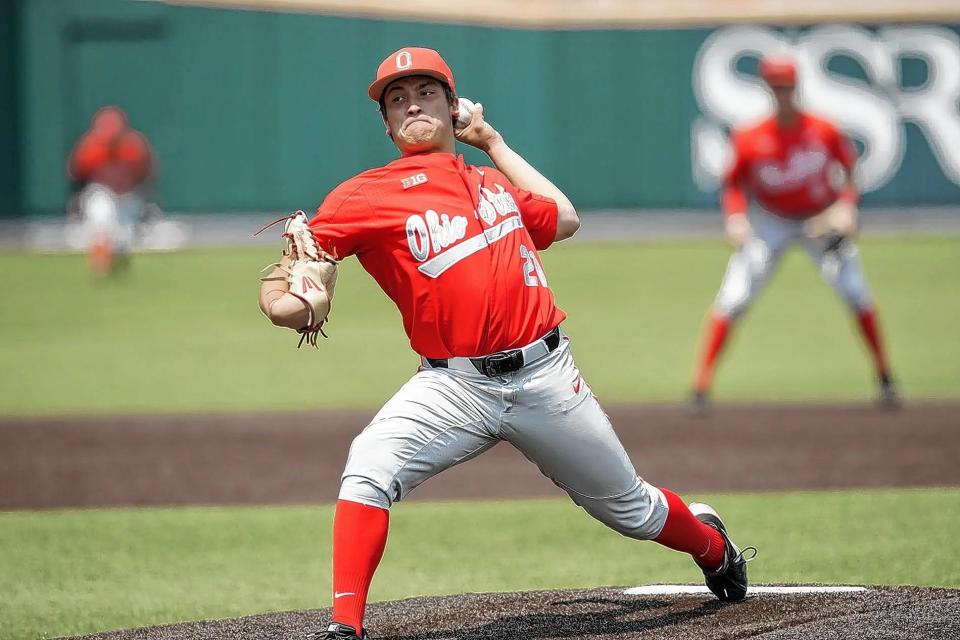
[(867, 318), (683, 532), (359, 538), (714, 340)]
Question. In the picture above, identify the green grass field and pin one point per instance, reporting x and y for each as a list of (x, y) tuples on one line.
[(78, 572), (183, 333)]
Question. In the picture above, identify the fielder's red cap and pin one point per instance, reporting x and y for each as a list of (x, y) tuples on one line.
[(410, 61), (778, 70), (109, 118)]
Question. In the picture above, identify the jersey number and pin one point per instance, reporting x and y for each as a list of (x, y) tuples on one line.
[(533, 273)]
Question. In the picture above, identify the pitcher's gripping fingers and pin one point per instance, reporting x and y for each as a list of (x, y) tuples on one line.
[(478, 132), (314, 282), (464, 113), (300, 242)]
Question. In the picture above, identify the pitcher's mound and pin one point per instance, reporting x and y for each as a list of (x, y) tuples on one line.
[(657, 612)]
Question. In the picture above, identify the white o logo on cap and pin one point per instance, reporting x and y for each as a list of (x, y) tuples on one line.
[(404, 60)]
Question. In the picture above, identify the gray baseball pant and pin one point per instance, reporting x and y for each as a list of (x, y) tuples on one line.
[(442, 417)]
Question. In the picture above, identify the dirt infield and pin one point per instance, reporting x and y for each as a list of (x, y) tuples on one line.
[(297, 458), (883, 613)]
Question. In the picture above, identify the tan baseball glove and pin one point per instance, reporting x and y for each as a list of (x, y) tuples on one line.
[(311, 274), (301, 244), (313, 282)]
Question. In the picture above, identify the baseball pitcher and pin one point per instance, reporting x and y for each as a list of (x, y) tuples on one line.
[(457, 248), (799, 170)]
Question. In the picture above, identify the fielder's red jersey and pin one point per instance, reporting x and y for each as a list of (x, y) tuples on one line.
[(791, 171), (454, 246), (120, 160)]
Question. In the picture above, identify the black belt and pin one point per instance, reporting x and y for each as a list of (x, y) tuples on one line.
[(502, 362)]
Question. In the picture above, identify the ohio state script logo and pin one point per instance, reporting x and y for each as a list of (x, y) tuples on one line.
[(801, 165), (439, 234)]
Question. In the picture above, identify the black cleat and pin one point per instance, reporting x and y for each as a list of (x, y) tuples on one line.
[(889, 398), (338, 631), (699, 403), (729, 582)]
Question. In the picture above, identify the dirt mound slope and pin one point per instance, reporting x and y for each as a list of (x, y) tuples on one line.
[(901, 613)]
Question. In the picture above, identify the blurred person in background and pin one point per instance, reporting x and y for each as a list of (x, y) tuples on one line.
[(798, 169), (112, 170)]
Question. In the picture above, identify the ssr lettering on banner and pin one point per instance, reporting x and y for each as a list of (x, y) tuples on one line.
[(872, 110)]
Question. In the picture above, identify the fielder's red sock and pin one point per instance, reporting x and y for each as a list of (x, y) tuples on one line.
[(683, 532), (359, 538), (714, 340), (867, 319)]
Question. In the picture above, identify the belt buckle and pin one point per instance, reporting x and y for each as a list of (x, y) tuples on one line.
[(502, 362)]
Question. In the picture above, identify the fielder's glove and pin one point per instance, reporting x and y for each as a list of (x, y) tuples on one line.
[(832, 229), (737, 229), (839, 219)]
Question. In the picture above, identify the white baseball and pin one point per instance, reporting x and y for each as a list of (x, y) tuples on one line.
[(466, 113)]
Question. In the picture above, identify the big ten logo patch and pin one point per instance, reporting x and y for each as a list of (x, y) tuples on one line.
[(871, 107), (414, 180)]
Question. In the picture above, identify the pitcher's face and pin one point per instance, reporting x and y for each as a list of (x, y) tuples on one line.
[(418, 115)]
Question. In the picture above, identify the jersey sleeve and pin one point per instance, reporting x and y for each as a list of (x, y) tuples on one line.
[(539, 215), (842, 149), (733, 196), (88, 155), (133, 151), (343, 224)]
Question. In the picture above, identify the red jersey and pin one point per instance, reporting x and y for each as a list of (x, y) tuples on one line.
[(792, 171), (120, 160), (454, 246)]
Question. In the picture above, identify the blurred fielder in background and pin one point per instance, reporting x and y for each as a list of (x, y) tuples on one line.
[(799, 170), (112, 169)]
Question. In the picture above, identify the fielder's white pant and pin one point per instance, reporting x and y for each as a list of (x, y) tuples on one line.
[(442, 417), (751, 266), (108, 214)]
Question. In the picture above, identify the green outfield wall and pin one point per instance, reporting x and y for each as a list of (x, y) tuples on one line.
[(10, 148), (267, 111)]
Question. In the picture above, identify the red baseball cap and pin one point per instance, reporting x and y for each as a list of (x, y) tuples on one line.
[(778, 70), (410, 61)]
